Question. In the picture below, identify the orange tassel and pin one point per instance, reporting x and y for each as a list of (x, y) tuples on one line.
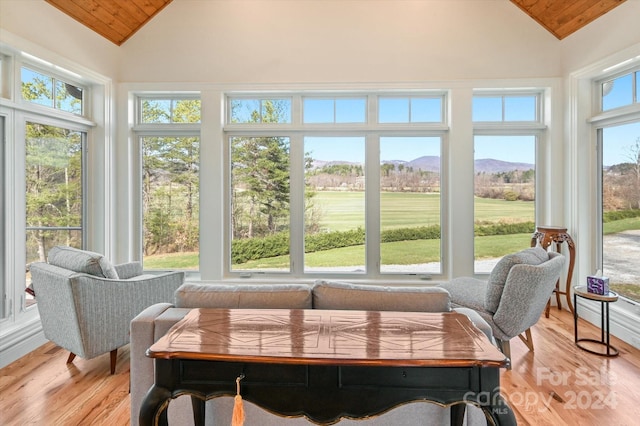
[(238, 409)]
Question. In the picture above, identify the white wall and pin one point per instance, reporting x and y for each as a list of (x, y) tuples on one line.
[(292, 41), (258, 41)]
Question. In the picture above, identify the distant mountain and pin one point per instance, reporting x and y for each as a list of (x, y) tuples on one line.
[(428, 163), (431, 163), (489, 165)]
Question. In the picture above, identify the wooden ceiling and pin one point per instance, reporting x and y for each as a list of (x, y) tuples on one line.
[(561, 17), (115, 20), (118, 20)]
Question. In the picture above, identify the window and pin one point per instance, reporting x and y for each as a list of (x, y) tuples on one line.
[(506, 127), (410, 110), (335, 204), (620, 91), (335, 110), (170, 182), (620, 208), (3, 277), (260, 111), (505, 108), (504, 196), (54, 189), (336, 192), (260, 191), (410, 204), (46, 90), (164, 111)]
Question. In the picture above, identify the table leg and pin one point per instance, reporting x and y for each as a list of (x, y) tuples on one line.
[(456, 413), (500, 412), (154, 407), (198, 406), (575, 318)]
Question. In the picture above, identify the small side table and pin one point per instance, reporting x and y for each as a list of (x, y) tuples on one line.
[(604, 342)]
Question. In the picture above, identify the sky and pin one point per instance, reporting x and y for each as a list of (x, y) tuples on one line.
[(618, 140), (517, 149)]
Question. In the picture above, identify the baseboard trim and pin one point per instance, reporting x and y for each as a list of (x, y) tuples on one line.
[(20, 342)]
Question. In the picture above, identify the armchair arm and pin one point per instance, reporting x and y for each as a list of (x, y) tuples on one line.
[(56, 306), (106, 307), (128, 270)]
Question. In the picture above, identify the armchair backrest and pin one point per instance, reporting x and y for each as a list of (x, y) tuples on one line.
[(525, 295)]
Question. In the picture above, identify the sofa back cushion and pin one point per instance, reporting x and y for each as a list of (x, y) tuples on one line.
[(499, 274), (349, 296), (244, 296), (82, 261)]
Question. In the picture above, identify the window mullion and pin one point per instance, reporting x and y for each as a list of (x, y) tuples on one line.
[(296, 203), (372, 205)]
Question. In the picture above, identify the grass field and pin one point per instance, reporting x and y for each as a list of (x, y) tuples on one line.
[(342, 211), (345, 210)]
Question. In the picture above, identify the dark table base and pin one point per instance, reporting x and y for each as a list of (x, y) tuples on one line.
[(325, 394)]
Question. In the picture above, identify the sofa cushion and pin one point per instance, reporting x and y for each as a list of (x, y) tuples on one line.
[(499, 274), (344, 295), (246, 296), (83, 261)]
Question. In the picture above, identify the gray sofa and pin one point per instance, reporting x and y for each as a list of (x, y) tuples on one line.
[(156, 320)]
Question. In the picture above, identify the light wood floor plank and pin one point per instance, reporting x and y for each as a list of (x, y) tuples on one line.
[(558, 384)]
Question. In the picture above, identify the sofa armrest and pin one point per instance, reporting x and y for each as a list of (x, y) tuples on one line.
[(141, 367)]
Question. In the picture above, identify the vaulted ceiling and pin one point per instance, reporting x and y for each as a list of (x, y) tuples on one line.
[(115, 20), (562, 18), (118, 20)]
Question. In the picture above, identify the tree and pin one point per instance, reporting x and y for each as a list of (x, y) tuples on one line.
[(53, 184), (260, 173), (170, 179)]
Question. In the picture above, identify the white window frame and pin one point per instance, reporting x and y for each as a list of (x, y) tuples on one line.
[(20, 326), (586, 116), (371, 130)]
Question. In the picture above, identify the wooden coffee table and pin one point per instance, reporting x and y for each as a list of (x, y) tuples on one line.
[(326, 365)]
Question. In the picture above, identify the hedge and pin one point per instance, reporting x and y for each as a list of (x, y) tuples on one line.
[(278, 244), (244, 250)]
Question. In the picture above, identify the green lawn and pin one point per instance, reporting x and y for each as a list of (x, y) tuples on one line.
[(397, 253), (345, 210), (342, 210)]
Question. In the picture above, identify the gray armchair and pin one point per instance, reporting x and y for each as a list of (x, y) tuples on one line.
[(515, 295), (86, 304)]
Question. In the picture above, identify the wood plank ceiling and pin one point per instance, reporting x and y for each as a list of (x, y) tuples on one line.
[(561, 17), (118, 20), (115, 20)]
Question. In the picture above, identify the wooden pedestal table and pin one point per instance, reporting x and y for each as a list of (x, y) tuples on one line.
[(326, 365), (545, 235)]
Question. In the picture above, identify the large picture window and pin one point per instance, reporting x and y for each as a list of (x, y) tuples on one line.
[(339, 180)]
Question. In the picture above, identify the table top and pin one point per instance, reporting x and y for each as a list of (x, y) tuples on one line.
[(328, 337), (583, 292)]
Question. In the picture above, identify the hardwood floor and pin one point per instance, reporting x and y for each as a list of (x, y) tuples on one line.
[(558, 384)]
